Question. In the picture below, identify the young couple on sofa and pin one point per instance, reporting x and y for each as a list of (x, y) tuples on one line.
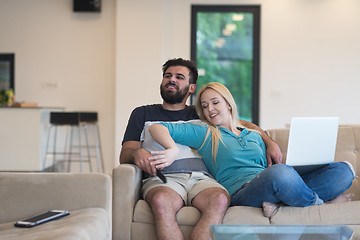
[(238, 154)]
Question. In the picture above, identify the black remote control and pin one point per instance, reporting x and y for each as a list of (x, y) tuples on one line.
[(160, 175)]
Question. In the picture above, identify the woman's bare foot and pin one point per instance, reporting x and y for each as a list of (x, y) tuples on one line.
[(269, 209), (345, 197)]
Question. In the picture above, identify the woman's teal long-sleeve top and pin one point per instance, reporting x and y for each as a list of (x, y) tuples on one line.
[(239, 159)]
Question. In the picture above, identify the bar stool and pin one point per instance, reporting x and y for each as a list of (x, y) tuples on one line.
[(79, 121)]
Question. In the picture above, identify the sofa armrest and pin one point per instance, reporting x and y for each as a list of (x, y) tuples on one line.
[(27, 194), (126, 192)]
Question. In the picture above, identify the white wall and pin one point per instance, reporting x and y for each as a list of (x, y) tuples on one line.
[(63, 58), (310, 60), (310, 55)]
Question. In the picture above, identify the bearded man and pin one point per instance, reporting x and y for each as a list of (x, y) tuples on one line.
[(188, 180)]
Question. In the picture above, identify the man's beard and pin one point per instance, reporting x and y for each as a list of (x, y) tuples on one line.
[(173, 97)]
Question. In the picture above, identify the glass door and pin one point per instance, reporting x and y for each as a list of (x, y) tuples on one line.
[(225, 44)]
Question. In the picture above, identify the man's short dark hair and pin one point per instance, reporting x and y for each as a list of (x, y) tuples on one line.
[(191, 65)]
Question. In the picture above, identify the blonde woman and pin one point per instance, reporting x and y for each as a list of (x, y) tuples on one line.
[(236, 157)]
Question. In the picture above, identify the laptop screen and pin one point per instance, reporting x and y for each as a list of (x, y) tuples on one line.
[(312, 140)]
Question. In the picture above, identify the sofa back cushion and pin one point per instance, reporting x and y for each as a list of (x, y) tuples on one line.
[(27, 194)]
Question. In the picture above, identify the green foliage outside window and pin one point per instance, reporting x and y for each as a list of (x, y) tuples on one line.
[(224, 53)]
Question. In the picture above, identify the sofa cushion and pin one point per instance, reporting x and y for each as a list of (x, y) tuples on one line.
[(245, 215), (151, 145), (84, 224), (339, 213), (143, 213)]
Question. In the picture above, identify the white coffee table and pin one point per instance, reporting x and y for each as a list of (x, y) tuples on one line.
[(280, 232)]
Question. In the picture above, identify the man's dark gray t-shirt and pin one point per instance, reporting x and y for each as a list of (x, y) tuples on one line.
[(154, 113)]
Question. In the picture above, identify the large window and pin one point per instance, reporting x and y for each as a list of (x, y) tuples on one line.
[(225, 45)]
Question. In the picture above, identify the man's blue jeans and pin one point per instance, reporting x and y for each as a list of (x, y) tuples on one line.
[(282, 184)]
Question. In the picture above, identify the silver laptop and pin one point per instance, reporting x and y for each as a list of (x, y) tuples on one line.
[(312, 142)]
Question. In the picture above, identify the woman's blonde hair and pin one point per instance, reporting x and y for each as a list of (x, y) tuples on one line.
[(215, 133)]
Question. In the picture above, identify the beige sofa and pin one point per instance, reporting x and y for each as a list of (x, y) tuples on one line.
[(86, 196), (133, 219)]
